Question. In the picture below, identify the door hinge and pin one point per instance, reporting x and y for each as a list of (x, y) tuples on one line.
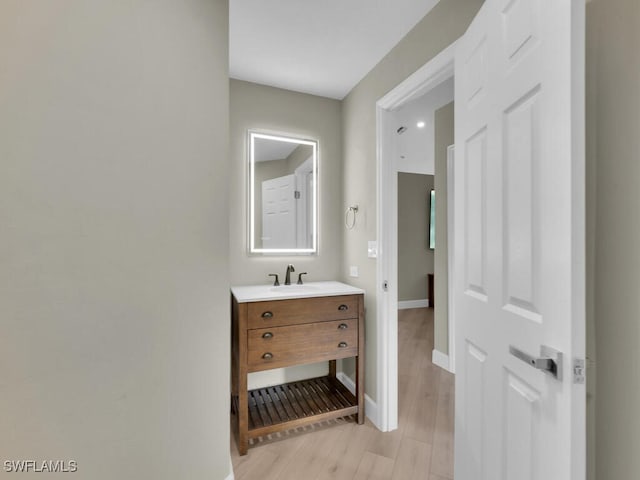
[(296, 194), (579, 373)]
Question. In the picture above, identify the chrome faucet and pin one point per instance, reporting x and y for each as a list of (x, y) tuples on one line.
[(287, 278)]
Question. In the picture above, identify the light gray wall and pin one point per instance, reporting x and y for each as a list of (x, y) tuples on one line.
[(443, 138), (260, 107), (114, 300), (415, 259), (298, 157), (614, 115), (437, 30)]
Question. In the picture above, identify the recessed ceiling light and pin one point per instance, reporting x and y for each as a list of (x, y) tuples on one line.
[(420, 124)]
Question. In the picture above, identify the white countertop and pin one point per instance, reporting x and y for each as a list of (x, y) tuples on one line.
[(263, 293)]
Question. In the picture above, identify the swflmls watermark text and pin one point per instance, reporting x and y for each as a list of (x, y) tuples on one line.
[(40, 466)]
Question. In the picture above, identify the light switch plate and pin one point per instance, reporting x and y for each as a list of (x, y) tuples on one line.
[(372, 249), (353, 271)]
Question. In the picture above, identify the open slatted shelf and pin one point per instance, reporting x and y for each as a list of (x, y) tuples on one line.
[(295, 404)]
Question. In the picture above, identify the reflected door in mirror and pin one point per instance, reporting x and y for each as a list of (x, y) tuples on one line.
[(279, 212)]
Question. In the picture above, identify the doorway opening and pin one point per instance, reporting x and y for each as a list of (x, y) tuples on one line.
[(423, 82)]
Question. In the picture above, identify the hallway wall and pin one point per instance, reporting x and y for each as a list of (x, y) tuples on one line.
[(613, 114), (415, 259), (114, 291), (444, 123)]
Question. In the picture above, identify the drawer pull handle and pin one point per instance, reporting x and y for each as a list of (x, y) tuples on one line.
[(267, 356), (343, 307), (267, 335), (343, 326), (342, 345), (267, 315)]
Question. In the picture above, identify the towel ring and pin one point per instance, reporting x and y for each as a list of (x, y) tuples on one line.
[(352, 209)]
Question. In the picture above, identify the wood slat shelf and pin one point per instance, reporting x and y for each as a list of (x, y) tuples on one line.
[(296, 404)]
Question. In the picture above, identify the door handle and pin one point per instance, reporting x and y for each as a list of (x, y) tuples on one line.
[(549, 361)]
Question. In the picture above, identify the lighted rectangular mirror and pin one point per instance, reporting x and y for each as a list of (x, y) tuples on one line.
[(283, 206)]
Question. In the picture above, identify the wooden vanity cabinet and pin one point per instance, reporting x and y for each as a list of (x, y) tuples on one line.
[(283, 333)]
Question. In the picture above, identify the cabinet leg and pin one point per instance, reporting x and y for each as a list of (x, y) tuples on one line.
[(360, 388), (243, 443), (243, 421), (332, 368)]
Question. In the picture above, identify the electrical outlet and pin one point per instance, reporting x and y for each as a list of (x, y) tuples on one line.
[(353, 272)]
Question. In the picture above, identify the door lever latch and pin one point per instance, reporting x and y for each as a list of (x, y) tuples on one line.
[(549, 361)]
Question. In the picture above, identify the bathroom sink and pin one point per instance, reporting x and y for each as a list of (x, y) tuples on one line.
[(260, 293), (286, 289)]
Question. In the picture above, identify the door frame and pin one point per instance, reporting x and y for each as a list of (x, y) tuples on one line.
[(451, 255), (430, 75), (304, 174)]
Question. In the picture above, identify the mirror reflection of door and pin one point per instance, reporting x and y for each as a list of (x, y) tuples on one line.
[(286, 209), (279, 212)]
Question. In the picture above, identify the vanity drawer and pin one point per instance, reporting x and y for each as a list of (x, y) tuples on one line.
[(301, 310), (297, 344)]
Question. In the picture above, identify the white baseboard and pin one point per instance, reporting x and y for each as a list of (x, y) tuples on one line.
[(413, 304), (230, 476), (370, 407), (440, 359)]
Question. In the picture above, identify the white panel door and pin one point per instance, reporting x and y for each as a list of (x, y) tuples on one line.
[(519, 240), (279, 212)]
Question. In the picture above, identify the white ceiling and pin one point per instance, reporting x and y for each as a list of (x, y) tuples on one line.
[(320, 47), (269, 149), (416, 145)]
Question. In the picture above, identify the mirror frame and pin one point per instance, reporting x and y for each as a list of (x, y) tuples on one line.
[(283, 137)]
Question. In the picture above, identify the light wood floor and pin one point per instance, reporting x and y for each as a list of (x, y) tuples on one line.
[(420, 449)]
